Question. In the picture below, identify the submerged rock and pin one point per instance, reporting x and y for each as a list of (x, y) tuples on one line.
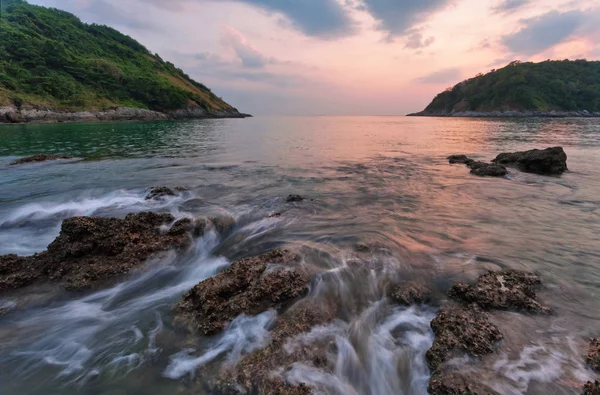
[(39, 158), (548, 161), (410, 294), (593, 357), (454, 384), (461, 330), (248, 286), (459, 159), (294, 199), (90, 250), (592, 388), (488, 170), (156, 193), (506, 290)]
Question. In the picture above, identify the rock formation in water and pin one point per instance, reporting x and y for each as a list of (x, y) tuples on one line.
[(478, 168), (505, 290), (294, 199), (410, 294), (547, 161), (249, 286), (593, 357), (454, 384), (39, 158), (90, 250), (467, 330), (592, 388), (156, 193)]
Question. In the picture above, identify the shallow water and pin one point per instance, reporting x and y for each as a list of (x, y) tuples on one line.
[(383, 181)]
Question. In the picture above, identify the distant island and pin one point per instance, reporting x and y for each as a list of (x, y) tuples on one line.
[(55, 68), (549, 89)]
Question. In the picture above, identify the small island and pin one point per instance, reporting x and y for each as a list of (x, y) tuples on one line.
[(546, 89), (55, 68)]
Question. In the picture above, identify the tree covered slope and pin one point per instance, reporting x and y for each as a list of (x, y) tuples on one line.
[(50, 59), (543, 87)]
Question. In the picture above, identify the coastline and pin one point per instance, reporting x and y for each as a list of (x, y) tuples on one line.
[(507, 114), (13, 115)]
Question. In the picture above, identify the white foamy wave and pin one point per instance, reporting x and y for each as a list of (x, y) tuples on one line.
[(244, 335)]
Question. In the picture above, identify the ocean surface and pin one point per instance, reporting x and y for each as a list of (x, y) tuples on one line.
[(381, 181)]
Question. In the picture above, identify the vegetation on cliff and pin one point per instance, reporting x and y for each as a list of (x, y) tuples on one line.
[(546, 86), (50, 58)]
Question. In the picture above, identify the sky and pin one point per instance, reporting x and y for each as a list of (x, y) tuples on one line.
[(346, 57)]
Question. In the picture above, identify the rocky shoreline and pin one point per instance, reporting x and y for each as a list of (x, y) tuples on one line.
[(30, 114), (507, 114)]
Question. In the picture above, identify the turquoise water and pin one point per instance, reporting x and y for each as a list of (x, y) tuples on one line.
[(380, 180)]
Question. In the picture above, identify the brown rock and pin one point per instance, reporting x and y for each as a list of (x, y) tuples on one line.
[(461, 330), (505, 290), (157, 193), (453, 384), (459, 159), (592, 388), (294, 198), (90, 250), (593, 357), (248, 286), (548, 161), (410, 294), (39, 158), (489, 170)]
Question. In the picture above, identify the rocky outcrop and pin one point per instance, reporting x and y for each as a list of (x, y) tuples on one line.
[(157, 193), (592, 388), (294, 199), (547, 161), (410, 294), (481, 169), (464, 159), (593, 357), (467, 330), (91, 250), (508, 114), (39, 158), (454, 384), (249, 286), (505, 290), (37, 114)]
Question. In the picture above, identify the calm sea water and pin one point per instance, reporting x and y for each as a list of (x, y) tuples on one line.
[(379, 180)]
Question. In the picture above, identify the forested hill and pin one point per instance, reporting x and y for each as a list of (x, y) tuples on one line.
[(50, 59), (563, 86)]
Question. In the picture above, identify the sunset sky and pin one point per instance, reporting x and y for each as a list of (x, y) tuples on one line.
[(380, 57)]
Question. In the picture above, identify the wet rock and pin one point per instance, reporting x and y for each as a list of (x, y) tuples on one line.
[(90, 250), (453, 384), (548, 161), (157, 193), (248, 286), (489, 170), (223, 224), (505, 290), (294, 199), (592, 388), (275, 215), (593, 357), (410, 294), (459, 159), (461, 330), (39, 158)]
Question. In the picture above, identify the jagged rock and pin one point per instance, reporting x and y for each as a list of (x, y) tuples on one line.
[(506, 290), (459, 159), (159, 193), (465, 329), (592, 388), (489, 170), (248, 286), (453, 384), (90, 250), (410, 294), (548, 161), (39, 158), (294, 199), (593, 357)]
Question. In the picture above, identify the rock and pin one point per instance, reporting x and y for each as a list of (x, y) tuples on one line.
[(505, 290), (548, 161), (157, 193), (464, 159), (410, 294), (592, 388), (90, 250), (275, 215), (593, 357), (454, 384), (223, 224), (489, 170), (294, 199), (461, 330), (39, 158), (248, 286)]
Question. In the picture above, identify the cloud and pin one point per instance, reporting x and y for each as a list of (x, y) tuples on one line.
[(106, 11), (508, 6), (398, 17), (244, 51), (544, 31), (441, 77), (415, 40)]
